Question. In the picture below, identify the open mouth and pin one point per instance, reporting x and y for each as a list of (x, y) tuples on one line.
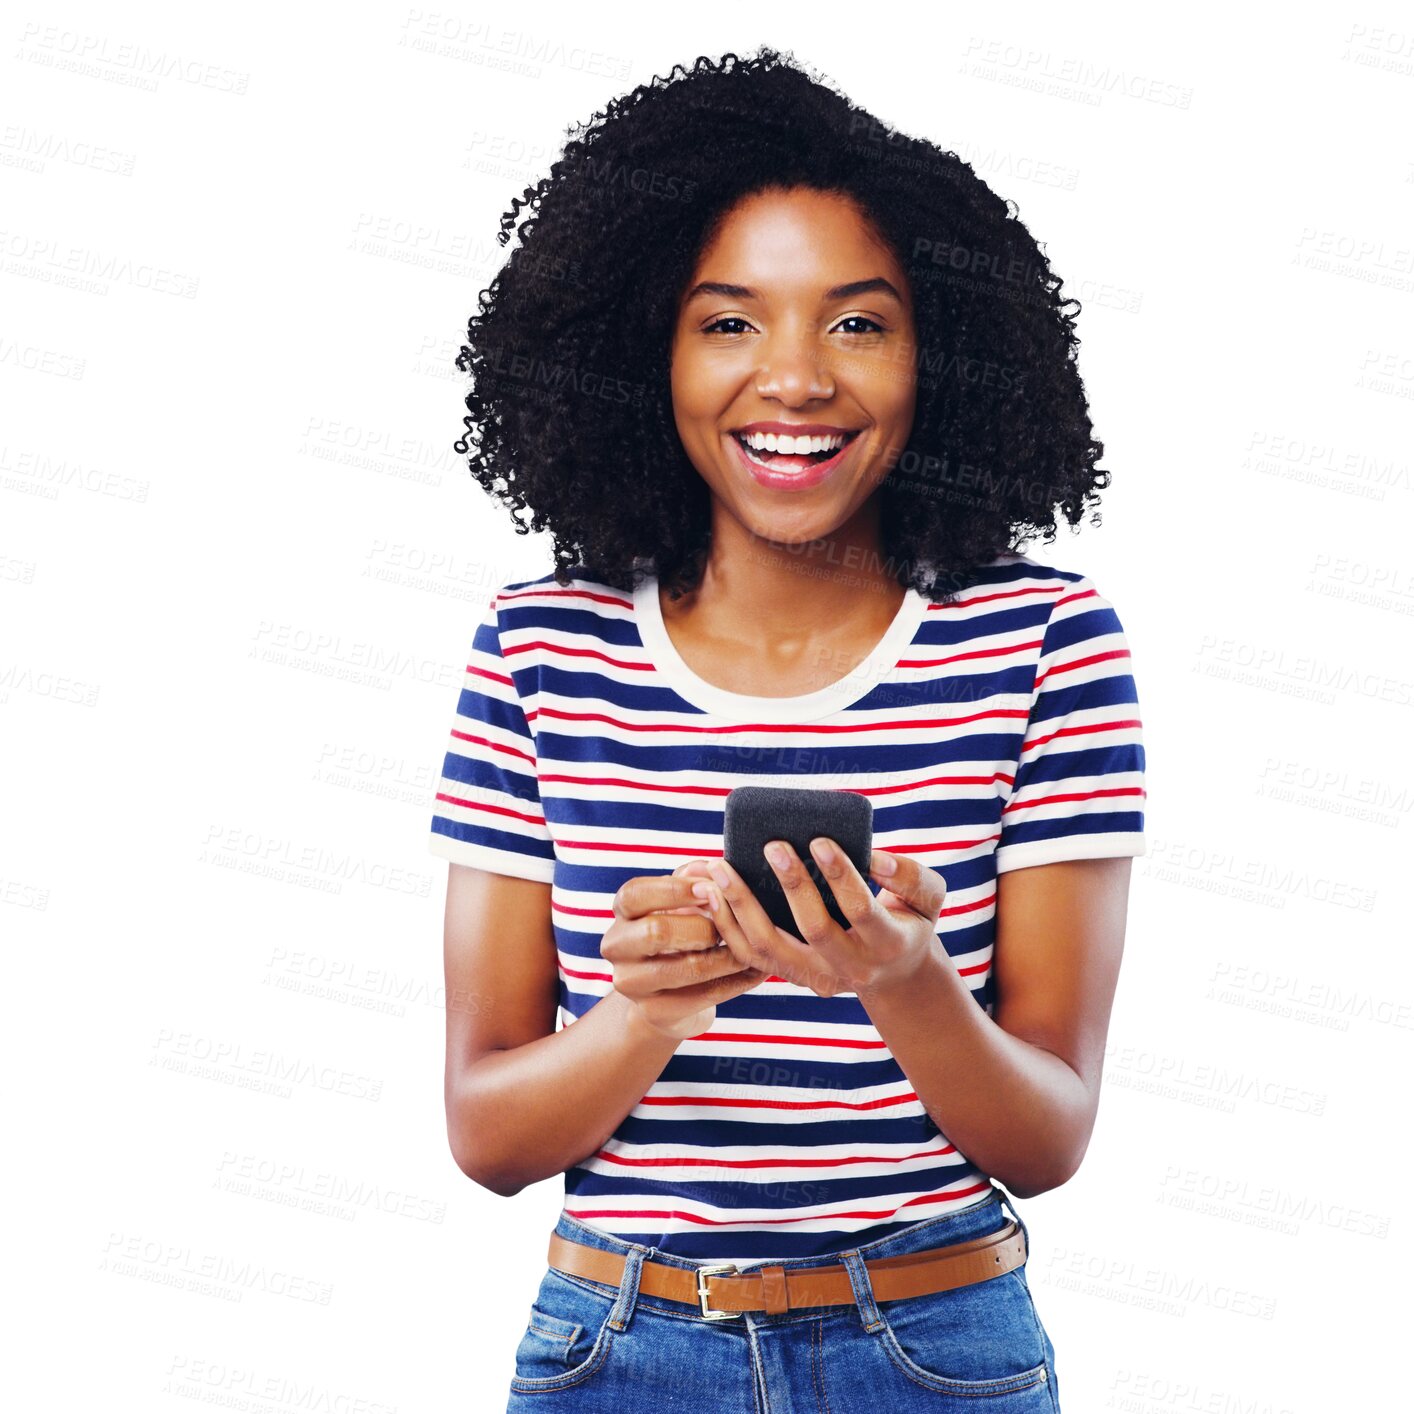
[(792, 453)]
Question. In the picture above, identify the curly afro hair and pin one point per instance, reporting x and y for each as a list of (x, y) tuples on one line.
[(570, 414)]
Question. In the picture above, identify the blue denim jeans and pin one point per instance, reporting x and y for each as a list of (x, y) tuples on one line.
[(977, 1349)]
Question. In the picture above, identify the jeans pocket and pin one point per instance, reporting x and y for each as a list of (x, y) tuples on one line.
[(976, 1340), (567, 1337)]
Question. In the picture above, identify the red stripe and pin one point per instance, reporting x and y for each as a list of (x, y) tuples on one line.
[(791, 1040), (609, 977), (1089, 729), (587, 976), (560, 592), (772, 1163), (567, 652), (969, 971), (492, 809), (1003, 594), (1074, 795), (736, 1102), (495, 746), (986, 901), (923, 1198), (1080, 663), (988, 780), (581, 912), (706, 1035), (658, 788), (679, 852), (1000, 652), (900, 724), (491, 677)]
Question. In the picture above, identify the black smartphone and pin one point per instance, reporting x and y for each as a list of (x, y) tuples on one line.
[(756, 814)]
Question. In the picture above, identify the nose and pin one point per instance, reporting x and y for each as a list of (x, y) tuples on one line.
[(794, 367)]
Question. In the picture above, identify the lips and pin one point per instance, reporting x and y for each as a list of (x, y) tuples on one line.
[(790, 472), (792, 461)]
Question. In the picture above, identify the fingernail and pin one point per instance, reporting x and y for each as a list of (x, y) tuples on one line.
[(719, 873), (702, 890), (885, 864), (777, 855)]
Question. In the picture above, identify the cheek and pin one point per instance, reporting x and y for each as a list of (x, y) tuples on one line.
[(895, 391), (896, 407), (694, 392)]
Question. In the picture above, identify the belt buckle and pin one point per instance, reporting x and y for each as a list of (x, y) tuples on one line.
[(702, 1274)]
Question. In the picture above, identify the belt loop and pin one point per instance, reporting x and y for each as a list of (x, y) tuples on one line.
[(863, 1290), (627, 1303), (1007, 1203)]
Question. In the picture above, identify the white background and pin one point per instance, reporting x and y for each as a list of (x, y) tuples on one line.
[(240, 566)]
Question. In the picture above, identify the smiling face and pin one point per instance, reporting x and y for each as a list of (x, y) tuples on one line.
[(797, 321)]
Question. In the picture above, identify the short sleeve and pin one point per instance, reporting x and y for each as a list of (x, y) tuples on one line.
[(487, 811), (1078, 788)]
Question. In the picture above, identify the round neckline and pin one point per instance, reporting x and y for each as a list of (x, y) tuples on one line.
[(879, 665)]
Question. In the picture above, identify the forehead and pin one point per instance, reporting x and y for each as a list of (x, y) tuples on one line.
[(798, 241)]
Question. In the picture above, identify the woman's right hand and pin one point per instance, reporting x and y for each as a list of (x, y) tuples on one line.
[(667, 956)]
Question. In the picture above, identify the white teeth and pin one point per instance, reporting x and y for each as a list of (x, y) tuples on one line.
[(791, 446)]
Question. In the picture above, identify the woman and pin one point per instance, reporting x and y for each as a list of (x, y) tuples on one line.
[(788, 389)]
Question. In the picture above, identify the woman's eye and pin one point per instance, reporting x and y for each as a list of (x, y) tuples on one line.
[(740, 325), (862, 319)]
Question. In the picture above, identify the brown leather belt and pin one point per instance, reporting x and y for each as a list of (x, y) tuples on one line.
[(774, 1289)]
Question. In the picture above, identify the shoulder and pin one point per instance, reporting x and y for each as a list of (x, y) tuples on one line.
[(1062, 606), (1027, 585), (522, 604), (1037, 571), (581, 592), (541, 623), (1067, 591)]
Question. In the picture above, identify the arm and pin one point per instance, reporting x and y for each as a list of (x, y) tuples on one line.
[(524, 1101), (1032, 1092)]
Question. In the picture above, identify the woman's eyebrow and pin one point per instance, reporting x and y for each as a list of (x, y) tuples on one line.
[(877, 285)]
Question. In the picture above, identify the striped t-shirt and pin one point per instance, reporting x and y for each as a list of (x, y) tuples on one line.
[(993, 733)]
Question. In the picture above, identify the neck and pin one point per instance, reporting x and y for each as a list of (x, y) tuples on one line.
[(782, 595)]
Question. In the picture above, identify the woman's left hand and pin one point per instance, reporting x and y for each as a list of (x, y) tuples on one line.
[(889, 938)]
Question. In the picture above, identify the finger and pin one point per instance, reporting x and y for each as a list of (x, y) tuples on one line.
[(735, 983), (694, 870), (691, 969), (645, 976), (914, 885), (647, 893), (813, 921), (749, 932), (862, 911), (662, 934), (729, 930)]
